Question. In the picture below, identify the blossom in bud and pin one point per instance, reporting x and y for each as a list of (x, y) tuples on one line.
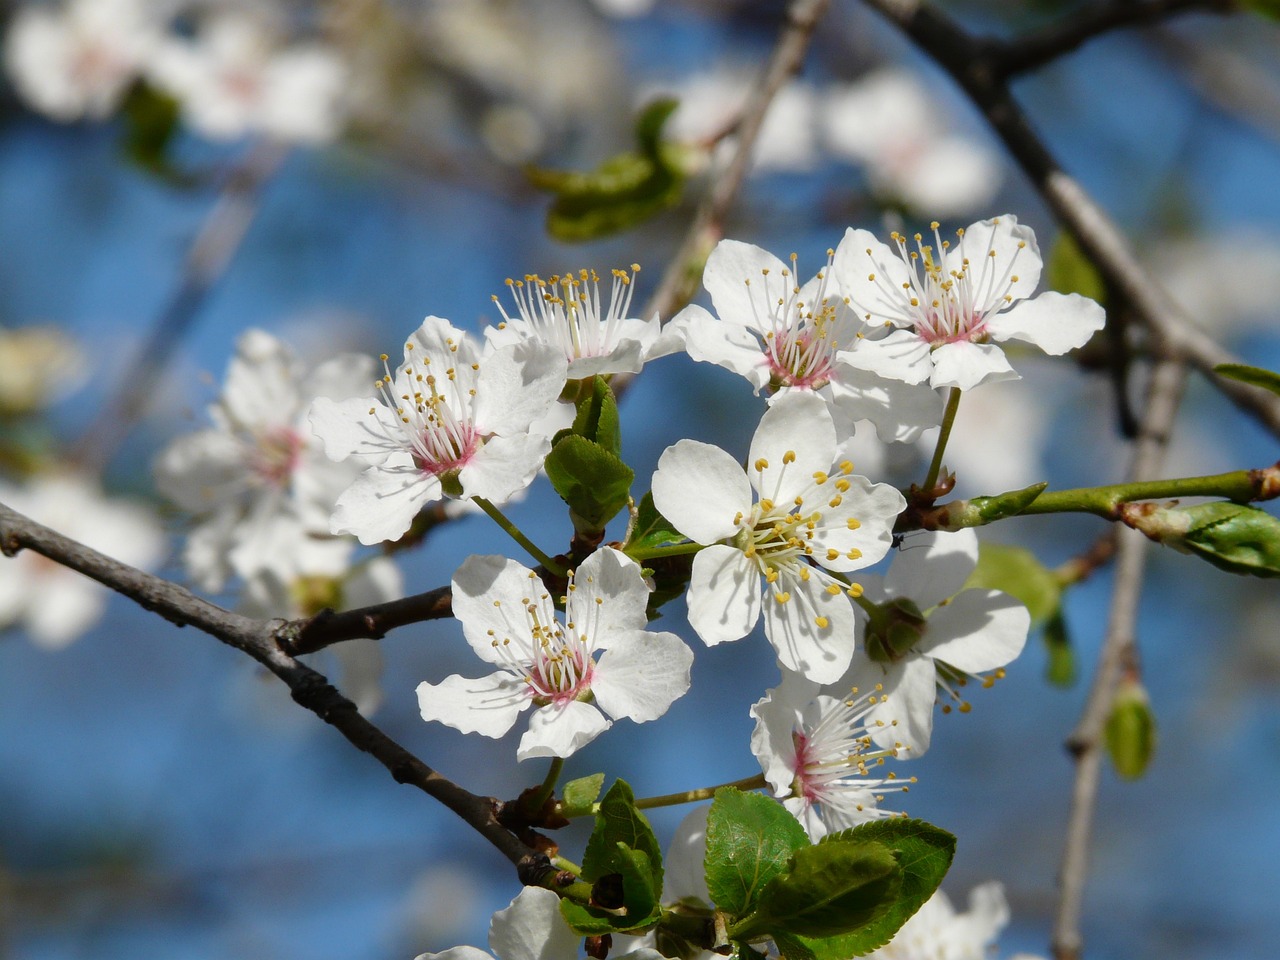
[(926, 637), (944, 304), (814, 521), (784, 338), (817, 752), (509, 619), (448, 424)]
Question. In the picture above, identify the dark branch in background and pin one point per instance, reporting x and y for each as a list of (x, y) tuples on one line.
[(211, 251), (680, 281), (971, 63), (1118, 648), (256, 638), (1035, 50)]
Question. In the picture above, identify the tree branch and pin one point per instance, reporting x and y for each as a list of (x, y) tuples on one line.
[(327, 627), (1163, 397), (257, 639), (971, 64), (1035, 50)]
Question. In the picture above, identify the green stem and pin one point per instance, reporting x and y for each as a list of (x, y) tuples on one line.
[(514, 533), (1241, 486), (948, 419), (563, 863), (536, 802), (703, 793), (654, 553)]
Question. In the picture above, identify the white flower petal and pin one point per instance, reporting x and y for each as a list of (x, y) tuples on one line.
[(609, 597), (820, 653), (797, 427), (261, 385), (900, 411), (872, 275), (730, 345), (201, 470), (772, 738), (1054, 322), (735, 276), (531, 928), (978, 630), (517, 385), (684, 873), (488, 705), (724, 595), (641, 675), (904, 714), (383, 501), (560, 730), (347, 428), (900, 355), (461, 953), (504, 466), (930, 567), (875, 508), (966, 365), (700, 489), (489, 599), (1016, 255)]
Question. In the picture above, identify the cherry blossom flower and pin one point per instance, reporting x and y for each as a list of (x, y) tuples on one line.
[(38, 365), (945, 305), (77, 62), (889, 122), (510, 621), (567, 312), (57, 604), (258, 479), (938, 932), (930, 636), (232, 81), (814, 519), (786, 338), (448, 424), (817, 753)]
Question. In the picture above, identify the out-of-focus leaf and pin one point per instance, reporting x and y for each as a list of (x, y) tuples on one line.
[(1017, 572), (1070, 271), (1131, 731), (1254, 376)]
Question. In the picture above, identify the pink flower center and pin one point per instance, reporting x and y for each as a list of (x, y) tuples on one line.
[(446, 446), (274, 458), (561, 671), (800, 356)]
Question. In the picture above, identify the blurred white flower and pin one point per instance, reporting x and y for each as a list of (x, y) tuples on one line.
[(77, 62), (37, 365), (232, 80), (888, 123), (54, 603), (938, 932)]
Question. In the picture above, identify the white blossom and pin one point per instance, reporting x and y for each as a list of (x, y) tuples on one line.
[(930, 635), (54, 603), (943, 305), (510, 621), (257, 479), (814, 521), (448, 423), (938, 932), (77, 62), (817, 754)]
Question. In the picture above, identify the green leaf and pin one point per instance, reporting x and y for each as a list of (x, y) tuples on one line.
[(1232, 536), (150, 123), (924, 855), (1017, 571), (597, 417), (578, 795), (619, 822), (591, 480), (1267, 8), (1060, 670), (1131, 731), (1254, 376), (827, 890), (1070, 271), (750, 839), (793, 948), (622, 192)]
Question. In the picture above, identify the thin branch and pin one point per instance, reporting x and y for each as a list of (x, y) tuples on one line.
[(373, 622), (257, 639), (969, 61), (210, 254), (680, 281), (1035, 50), (1163, 397)]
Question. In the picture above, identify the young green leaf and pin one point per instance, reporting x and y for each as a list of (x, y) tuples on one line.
[(750, 839), (619, 822), (1017, 571), (578, 795), (1131, 731), (652, 530), (597, 417), (924, 855), (591, 480), (1060, 670), (1070, 271), (1254, 376), (827, 890)]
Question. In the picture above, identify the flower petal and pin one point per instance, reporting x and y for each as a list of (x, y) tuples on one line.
[(966, 365), (978, 630), (356, 427), (383, 501), (736, 276), (531, 928), (1054, 322), (873, 276), (772, 740), (488, 705), (733, 346), (859, 528), (904, 714), (901, 355), (609, 597), (796, 428), (813, 631), (1016, 254), (489, 594), (930, 567), (641, 675), (900, 411), (724, 595), (700, 489), (560, 730), (517, 385), (504, 466)]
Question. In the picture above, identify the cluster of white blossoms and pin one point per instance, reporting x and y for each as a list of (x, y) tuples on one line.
[(299, 462), (232, 78)]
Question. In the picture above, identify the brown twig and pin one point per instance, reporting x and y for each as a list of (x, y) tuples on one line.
[(970, 63), (257, 638), (1035, 50), (1118, 649), (327, 627)]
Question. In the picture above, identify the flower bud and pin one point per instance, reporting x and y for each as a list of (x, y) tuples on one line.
[(1234, 537), (1131, 730)]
